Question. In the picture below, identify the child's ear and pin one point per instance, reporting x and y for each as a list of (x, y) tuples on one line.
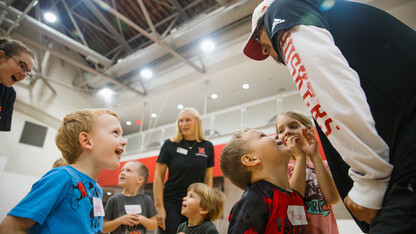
[(250, 160), (140, 180), (203, 212), (84, 141)]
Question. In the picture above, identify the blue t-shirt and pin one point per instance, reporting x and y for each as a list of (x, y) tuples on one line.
[(62, 202)]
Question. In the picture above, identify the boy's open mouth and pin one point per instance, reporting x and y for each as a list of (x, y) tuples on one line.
[(119, 152), (14, 78)]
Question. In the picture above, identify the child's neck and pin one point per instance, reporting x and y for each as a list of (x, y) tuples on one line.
[(130, 192), (277, 177), (194, 221), (87, 169)]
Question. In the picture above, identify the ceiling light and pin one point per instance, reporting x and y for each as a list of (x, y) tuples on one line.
[(50, 17), (207, 46), (214, 96), (154, 115), (109, 193), (180, 107), (106, 92), (146, 73), (246, 86), (128, 123)]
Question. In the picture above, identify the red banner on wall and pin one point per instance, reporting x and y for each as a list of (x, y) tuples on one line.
[(110, 177)]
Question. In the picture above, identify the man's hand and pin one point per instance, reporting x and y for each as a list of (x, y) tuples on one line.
[(361, 213)]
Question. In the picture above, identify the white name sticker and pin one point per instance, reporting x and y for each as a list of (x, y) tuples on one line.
[(133, 209), (182, 151), (98, 207), (297, 215)]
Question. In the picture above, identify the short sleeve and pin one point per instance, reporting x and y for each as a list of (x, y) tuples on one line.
[(6, 110), (44, 196), (109, 209), (211, 155), (164, 153), (249, 215), (150, 207)]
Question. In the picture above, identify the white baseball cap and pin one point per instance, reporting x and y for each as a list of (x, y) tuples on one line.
[(253, 49)]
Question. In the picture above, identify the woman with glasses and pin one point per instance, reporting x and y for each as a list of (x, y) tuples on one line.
[(16, 63)]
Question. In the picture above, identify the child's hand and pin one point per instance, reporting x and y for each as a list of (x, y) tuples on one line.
[(292, 144), (311, 148), (130, 219)]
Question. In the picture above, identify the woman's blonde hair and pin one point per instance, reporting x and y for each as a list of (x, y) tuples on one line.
[(199, 132), (212, 200), (67, 137)]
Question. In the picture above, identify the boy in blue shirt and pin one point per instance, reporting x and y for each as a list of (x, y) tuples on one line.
[(68, 199)]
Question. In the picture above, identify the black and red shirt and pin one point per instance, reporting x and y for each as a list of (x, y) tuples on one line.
[(267, 208)]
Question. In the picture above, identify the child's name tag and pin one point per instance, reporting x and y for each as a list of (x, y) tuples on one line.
[(182, 151), (297, 215), (133, 209), (98, 207)]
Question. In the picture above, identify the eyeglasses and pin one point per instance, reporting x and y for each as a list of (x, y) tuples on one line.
[(22, 65)]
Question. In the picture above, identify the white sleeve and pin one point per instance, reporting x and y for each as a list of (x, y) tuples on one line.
[(331, 90)]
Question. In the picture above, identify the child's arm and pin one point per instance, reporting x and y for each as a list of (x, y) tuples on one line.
[(325, 180), (128, 219), (148, 223), (13, 224), (298, 179)]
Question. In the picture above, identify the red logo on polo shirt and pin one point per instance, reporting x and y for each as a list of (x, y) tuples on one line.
[(201, 150)]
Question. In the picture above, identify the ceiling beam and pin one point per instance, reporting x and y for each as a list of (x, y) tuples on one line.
[(151, 37), (147, 17), (180, 9), (76, 63), (107, 25), (57, 36), (75, 23)]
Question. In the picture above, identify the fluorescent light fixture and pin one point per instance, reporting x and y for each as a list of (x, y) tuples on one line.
[(207, 46), (146, 73), (214, 96), (128, 123), (180, 107), (50, 17), (246, 86)]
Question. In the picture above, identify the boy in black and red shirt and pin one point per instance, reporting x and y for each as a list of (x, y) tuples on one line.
[(257, 163)]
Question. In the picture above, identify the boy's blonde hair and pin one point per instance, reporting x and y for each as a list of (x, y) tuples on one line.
[(67, 137), (60, 162), (199, 132), (303, 119), (142, 171), (230, 161), (212, 200)]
